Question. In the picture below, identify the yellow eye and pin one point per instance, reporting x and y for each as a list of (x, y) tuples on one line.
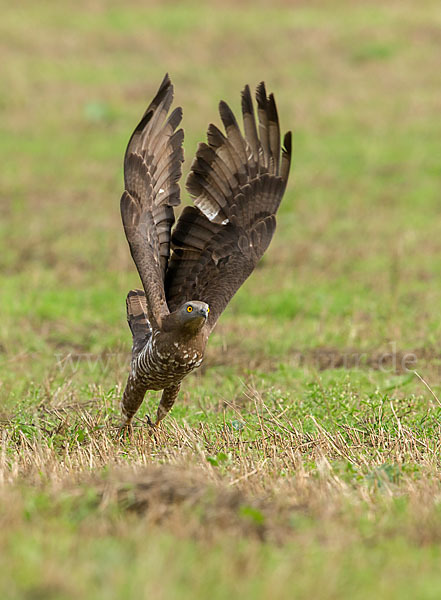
[(208, 309), (189, 308)]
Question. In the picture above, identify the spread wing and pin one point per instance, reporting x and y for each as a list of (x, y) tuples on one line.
[(237, 183), (152, 168)]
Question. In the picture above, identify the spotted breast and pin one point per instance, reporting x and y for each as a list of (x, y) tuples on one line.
[(161, 364)]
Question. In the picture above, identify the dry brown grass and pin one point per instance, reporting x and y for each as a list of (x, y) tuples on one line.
[(204, 483)]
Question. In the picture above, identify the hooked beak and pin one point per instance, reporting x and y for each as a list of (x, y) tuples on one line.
[(204, 312)]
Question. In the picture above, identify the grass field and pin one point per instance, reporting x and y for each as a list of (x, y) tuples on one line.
[(303, 459)]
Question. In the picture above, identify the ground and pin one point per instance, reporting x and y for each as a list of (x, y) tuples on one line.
[(302, 460)]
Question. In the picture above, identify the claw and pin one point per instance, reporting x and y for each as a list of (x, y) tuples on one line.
[(126, 429), (150, 423)]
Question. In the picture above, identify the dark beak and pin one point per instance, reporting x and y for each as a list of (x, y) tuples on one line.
[(203, 312)]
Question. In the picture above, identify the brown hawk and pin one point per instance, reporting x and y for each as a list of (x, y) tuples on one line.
[(189, 276)]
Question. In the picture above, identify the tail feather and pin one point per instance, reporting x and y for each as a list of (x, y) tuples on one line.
[(137, 319)]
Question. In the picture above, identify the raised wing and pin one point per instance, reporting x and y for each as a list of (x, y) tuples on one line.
[(237, 184), (152, 168)]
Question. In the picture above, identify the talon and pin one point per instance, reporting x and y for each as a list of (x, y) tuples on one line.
[(126, 428), (150, 422)]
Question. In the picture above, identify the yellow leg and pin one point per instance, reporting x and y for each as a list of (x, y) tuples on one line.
[(126, 428)]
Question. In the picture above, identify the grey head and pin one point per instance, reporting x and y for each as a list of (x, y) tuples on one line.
[(189, 318), (192, 315)]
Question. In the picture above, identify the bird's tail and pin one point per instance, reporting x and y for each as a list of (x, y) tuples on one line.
[(137, 319)]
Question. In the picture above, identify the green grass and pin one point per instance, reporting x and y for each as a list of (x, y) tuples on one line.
[(306, 450)]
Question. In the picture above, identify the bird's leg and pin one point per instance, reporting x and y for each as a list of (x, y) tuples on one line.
[(168, 398), (126, 428), (132, 399)]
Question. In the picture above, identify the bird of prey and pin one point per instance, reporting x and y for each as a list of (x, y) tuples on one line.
[(189, 275)]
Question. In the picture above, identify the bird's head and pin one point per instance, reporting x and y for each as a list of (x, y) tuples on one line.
[(191, 316)]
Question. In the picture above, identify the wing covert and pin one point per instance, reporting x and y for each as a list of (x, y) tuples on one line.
[(237, 183)]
